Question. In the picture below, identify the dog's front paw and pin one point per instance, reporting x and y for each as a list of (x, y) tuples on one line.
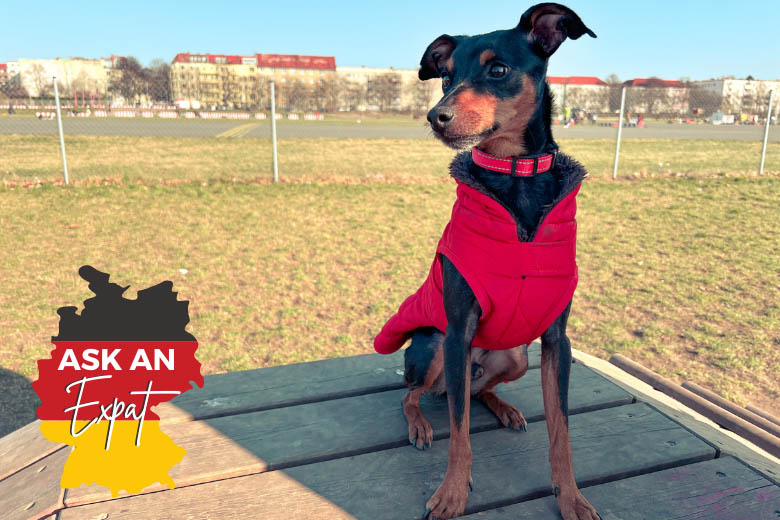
[(510, 416), (420, 432), (574, 506), (449, 500)]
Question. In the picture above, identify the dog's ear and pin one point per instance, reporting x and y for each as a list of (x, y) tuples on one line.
[(437, 52), (548, 24)]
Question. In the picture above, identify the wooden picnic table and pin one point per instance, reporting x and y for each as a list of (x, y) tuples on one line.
[(328, 439)]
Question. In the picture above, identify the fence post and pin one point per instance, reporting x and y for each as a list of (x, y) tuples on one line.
[(766, 132), (59, 124), (620, 131), (273, 129)]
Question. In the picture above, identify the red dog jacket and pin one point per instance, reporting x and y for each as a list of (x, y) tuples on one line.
[(521, 286)]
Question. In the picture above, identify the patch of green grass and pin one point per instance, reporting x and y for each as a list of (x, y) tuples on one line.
[(152, 159), (679, 274)]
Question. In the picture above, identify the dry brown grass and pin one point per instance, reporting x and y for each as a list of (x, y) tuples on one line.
[(678, 273)]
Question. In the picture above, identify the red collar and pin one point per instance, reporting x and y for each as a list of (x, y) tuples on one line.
[(522, 166)]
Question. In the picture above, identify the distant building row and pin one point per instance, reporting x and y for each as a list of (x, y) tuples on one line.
[(317, 83), (654, 96), (34, 76), (234, 80)]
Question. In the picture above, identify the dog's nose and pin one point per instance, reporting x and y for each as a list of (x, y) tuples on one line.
[(440, 117)]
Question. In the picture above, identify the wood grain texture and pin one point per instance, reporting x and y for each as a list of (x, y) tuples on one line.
[(734, 408), (766, 415), (34, 491), (22, 447), (284, 437), (727, 442), (289, 385), (509, 466), (715, 489), (724, 418)]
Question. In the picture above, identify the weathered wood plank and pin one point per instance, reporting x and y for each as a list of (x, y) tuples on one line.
[(24, 446), (34, 491), (727, 442), (282, 437), (719, 488), (509, 466), (288, 385)]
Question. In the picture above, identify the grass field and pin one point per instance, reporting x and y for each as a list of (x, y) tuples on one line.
[(681, 274), (347, 118), (30, 157)]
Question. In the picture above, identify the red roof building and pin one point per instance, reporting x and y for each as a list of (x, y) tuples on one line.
[(575, 80), (653, 82), (289, 61)]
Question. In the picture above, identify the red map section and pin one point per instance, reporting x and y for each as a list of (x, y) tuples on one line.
[(52, 382)]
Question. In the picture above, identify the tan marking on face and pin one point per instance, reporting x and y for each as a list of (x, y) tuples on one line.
[(473, 112), (450, 64), (512, 115), (486, 56)]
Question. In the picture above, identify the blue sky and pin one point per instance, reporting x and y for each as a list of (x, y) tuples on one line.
[(669, 39)]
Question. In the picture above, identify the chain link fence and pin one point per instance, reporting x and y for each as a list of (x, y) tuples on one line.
[(642, 127)]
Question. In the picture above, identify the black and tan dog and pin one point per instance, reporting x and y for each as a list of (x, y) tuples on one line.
[(497, 100)]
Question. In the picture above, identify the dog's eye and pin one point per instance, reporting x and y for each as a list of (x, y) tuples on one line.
[(498, 70), (446, 81)]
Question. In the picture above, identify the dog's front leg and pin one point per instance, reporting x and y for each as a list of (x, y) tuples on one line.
[(463, 314), (556, 365)]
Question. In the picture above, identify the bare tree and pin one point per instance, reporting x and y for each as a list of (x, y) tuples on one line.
[(229, 87), (588, 98), (41, 81), (132, 83), (353, 94), (331, 95), (755, 100), (703, 102), (384, 91), (158, 76), (259, 95), (614, 92), (13, 89), (421, 96), (299, 97), (325, 96)]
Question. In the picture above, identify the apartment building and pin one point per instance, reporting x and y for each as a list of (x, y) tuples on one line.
[(582, 92), (73, 74), (385, 88), (741, 95), (236, 80)]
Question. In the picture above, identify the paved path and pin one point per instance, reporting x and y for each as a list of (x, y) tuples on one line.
[(315, 129)]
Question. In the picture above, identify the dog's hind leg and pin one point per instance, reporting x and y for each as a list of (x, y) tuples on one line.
[(423, 363), (556, 365), (500, 366)]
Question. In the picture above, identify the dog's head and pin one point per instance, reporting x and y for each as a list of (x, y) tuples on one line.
[(492, 82)]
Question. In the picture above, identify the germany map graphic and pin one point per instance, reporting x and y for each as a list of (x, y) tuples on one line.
[(110, 366)]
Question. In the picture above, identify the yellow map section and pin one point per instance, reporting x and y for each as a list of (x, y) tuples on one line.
[(123, 465)]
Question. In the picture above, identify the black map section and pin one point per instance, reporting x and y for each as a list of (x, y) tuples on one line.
[(156, 315)]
